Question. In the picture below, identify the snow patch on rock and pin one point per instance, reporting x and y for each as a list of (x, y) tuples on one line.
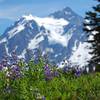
[(16, 30), (3, 40), (81, 55)]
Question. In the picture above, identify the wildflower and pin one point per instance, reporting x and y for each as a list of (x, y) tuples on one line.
[(4, 62), (65, 69), (14, 72), (77, 72), (56, 73), (36, 60), (1, 67), (43, 98), (14, 58), (47, 72), (36, 56)]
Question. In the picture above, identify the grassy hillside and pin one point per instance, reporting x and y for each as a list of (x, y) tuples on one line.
[(30, 81)]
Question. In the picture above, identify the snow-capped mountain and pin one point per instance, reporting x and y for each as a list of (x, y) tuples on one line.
[(60, 35)]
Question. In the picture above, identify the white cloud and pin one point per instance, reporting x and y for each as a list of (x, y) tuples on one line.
[(9, 12), (38, 9)]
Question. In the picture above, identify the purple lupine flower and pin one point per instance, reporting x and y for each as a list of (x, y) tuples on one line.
[(56, 73), (65, 69), (43, 98), (15, 68), (77, 72), (45, 56), (4, 62), (14, 72), (36, 56), (1, 66), (14, 58), (46, 67), (47, 72), (36, 60)]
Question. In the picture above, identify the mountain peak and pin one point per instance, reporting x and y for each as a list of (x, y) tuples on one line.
[(68, 14), (59, 35), (67, 9), (46, 20), (28, 17)]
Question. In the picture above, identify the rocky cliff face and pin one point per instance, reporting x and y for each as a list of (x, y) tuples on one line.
[(60, 35)]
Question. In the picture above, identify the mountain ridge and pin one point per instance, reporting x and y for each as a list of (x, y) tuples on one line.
[(55, 34)]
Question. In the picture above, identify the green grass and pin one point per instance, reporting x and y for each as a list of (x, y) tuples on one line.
[(86, 87), (33, 86)]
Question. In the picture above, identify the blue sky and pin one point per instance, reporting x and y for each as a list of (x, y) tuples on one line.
[(14, 9)]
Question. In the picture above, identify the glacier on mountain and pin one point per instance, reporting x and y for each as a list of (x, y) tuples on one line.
[(60, 35)]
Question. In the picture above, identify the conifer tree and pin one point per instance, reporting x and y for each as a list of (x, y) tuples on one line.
[(92, 28)]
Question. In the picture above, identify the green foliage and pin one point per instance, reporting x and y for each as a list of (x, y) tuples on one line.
[(98, 68), (92, 28), (33, 86)]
